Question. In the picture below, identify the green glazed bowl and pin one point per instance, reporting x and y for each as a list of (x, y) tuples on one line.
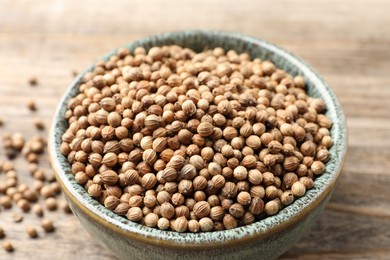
[(264, 239)]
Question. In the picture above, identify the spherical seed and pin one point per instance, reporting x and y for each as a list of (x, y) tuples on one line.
[(217, 213), (37, 210), (167, 210), (95, 190), (148, 181), (240, 173), (229, 221), (193, 226), (206, 224), (51, 204), (163, 196), (8, 246), (287, 198), (111, 202), (109, 177), (17, 218), (181, 224), (271, 207), (47, 225), (185, 187), (229, 190), (317, 167), (6, 202), (244, 198), (134, 214), (151, 220), (24, 205), (202, 209), (257, 206), (308, 182), (122, 208), (255, 177), (188, 172), (205, 129), (199, 183), (218, 181), (289, 179), (253, 142), (163, 223), (189, 107), (32, 232), (298, 189)]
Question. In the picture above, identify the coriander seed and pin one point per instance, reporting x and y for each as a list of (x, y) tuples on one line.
[(47, 225), (32, 232)]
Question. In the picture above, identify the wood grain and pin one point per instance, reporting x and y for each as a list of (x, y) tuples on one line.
[(346, 41)]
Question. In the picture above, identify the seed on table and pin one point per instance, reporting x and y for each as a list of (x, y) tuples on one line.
[(32, 81), (51, 204), (24, 205), (8, 246), (31, 105), (47, 191), (2, 234), (39, 124), (6, 202), (17, 218), (32, 232), (47, 225), (37, 210)]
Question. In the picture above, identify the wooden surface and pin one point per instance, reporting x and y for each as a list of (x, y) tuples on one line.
[(346, 41)]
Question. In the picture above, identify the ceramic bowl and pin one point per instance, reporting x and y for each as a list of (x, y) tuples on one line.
[(265, 239)]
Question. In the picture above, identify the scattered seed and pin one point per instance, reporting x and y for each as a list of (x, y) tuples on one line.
[(8, 246), (33, 81), (31, 105), (47, 225), (17, 218), (32, 232)]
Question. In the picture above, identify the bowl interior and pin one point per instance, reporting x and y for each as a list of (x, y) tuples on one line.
[(198, 41)]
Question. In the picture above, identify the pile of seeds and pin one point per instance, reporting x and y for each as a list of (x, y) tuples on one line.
[(20, 194), (189, 141)]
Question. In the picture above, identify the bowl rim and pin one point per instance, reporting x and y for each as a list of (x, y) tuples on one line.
[(260, 229)]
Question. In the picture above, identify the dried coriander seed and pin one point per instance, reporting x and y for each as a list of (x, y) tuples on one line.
[(37, 210), (8, 246), (47, 225), (185, 149), (2, 233), (17, 218), (32, 232), (31, 105)]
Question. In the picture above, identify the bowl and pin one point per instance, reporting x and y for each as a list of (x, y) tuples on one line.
[(264, 239)]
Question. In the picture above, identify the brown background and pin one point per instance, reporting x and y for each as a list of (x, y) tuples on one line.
[(348, 42)]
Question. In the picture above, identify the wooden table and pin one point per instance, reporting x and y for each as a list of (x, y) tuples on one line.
[(346, 41)]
